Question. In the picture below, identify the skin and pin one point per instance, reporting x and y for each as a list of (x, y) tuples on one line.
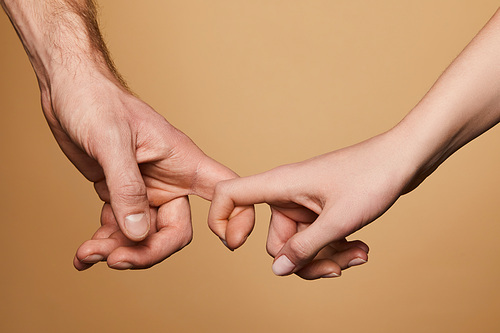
[(316, 203), (140, 164)]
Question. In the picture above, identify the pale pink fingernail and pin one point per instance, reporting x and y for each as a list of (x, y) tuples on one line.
[(137, 225), (93, 258), (121, 265), (356, 262), (283, 266), (331, 275)]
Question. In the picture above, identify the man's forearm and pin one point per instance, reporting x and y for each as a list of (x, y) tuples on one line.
[(60, 37)]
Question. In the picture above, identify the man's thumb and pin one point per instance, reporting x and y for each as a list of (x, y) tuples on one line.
[(128, 196)]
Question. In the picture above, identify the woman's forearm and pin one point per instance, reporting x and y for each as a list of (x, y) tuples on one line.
[(462, 104)]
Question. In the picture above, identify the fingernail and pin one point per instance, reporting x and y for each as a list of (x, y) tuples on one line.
[(137, 225), (121, 265), (283, 266), (331, 275), (356, 262), (93, 258)]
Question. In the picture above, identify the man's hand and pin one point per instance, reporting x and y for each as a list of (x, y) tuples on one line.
[(170, 231), (125, 147), (142, 167), (140, 164)]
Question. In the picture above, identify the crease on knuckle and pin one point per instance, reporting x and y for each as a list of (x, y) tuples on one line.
[(301, 248), (132, 192)]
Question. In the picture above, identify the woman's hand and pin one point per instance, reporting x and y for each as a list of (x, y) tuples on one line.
[(315, 204)]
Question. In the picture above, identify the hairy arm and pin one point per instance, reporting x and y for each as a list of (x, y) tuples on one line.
[(61, 37), (142, 167)]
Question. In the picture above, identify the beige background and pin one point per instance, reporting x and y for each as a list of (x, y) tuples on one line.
[(257, 84)]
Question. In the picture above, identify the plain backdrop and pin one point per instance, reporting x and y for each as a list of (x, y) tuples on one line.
[(257, 84)]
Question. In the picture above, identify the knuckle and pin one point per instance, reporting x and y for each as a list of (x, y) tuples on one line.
[(131, 192), (300, 248), (361, 245), (183, 235), (221, 189), (271, 250), (186, 238)]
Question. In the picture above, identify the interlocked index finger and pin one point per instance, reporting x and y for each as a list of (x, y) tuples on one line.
[(231, 214)]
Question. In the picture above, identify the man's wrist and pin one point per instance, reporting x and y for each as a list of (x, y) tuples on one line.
[(61, 38)]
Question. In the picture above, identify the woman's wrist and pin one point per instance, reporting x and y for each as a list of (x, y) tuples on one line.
[(430, 134), (418, 150)]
